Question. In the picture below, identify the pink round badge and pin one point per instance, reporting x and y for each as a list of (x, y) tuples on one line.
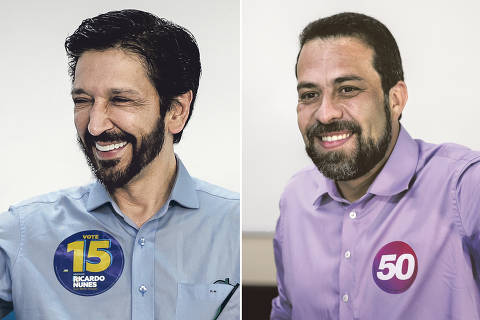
[(395, 267)]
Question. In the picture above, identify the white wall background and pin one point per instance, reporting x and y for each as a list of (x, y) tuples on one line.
[(39, 151), (440, 47)]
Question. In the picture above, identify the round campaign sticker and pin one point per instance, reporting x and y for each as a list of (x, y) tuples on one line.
[(88, 262), (395, 267)]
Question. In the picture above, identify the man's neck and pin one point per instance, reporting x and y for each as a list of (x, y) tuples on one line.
[(353, 190), (145, 194)]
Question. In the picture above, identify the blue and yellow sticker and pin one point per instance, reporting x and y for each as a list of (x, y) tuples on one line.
[(88, 262)]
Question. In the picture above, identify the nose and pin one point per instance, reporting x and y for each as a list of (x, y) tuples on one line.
[(99, 120), (328, 110)]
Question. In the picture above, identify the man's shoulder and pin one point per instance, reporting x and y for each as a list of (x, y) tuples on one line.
[(209, 190), (307, 177), (217, 202), (53, 198), (448, 154), (305, 185), (305, 174), (218, 205)]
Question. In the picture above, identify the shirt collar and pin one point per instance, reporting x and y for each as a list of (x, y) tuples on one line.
[(394, 177), (183, 191), (397, 173), (98, 196)]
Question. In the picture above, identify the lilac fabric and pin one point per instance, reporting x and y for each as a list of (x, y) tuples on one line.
[(408, 249)]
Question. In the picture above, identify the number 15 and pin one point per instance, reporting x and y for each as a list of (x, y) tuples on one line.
[(97, 249)]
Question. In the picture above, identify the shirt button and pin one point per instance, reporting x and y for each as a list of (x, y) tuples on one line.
[(347, 254), (142, 289), (353, 215), (141, 241), (345, 298)]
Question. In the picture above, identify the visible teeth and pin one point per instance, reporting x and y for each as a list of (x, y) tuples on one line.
[(335, 138), (110, 147)]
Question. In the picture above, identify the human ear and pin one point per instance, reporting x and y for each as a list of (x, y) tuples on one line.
[(177, 116), (398, 96)]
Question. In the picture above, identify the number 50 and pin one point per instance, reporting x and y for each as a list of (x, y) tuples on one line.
[(396, 269)]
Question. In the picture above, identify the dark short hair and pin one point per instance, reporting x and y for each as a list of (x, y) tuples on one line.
[(386, 60), (168, 51)]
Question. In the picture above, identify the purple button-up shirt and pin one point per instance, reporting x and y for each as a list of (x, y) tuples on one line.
[(408, 249)]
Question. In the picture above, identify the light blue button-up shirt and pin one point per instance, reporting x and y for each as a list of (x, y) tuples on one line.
[(73, 254)]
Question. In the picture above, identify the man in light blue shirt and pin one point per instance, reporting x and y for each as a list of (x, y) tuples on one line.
[(146, 241)]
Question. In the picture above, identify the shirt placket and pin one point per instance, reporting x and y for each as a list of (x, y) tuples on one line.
[(143, 264), (347, 265)]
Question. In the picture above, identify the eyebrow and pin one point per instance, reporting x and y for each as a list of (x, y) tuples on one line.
[(311, 85), (348, 78), (119, 91), (306, 85), (113, 91), (77, 91)]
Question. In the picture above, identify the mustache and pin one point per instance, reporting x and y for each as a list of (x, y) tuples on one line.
[(318, 129), (105, 136)]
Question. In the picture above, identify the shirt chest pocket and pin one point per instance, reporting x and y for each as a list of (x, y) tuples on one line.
[(200, 301)]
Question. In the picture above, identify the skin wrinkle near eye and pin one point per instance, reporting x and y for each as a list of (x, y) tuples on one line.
[(129, 102), (308, 100), (137, 102)]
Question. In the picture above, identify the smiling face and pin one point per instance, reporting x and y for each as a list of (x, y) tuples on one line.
[(117, 115), (342, 111)]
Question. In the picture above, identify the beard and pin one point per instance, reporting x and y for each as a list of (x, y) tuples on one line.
[(340, 166), (143, 152)]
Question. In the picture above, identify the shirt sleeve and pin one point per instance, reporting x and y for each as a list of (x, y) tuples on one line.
[(468, 200), (281, 306), (9, 244)]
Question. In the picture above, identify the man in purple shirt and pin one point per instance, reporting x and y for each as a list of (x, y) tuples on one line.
[(383, 226)]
